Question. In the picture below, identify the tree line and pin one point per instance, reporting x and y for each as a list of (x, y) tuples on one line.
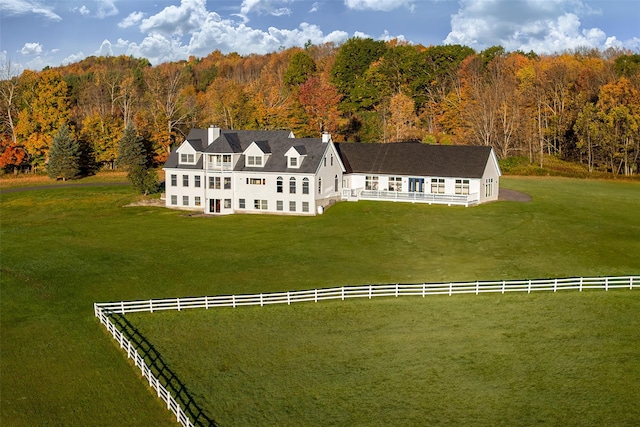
[(581, 106)]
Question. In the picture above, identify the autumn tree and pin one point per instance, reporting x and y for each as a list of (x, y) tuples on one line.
[(64, 156), (44, 109), (320, 99)]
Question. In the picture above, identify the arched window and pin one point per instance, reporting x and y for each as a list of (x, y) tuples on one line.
[(292, 185), (305, 186), (279, 185), (335, 183)]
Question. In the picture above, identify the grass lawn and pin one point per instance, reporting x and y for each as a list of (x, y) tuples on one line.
[(546, 359), (64, 249)]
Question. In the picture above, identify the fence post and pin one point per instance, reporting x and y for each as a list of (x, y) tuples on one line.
[(630, 282), (424, 289), (580, 284), (288, 298), (370, 291), (529, 287), (503, 285), (477, 287), (178, 301), (315, 295), (343, 293), (606, 283), (397, 290), (151, 306), (450, 288), (121, 307), (261, 303), (555, 285), (233, 301), (206, 302)]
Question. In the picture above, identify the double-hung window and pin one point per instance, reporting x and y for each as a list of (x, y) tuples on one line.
[(305, 185), (292, 185), (371, 182), (462, 186), (227, 183), (254, 160), (214, 182), (437, 185), (279, 183), (185, 180), (174, 180), (196, 181), (395, 183)]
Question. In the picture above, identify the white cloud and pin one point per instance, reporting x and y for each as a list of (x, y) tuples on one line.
[(105, 49), (542, 26), (134, 18), (379, 5), (24, 7), (315, 7), (177, 20), (270, 7), (83, 10), (106, 8), (74, 57), (31, 49)]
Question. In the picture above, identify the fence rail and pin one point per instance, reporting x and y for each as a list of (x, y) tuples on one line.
[(107, 311), (370, 291)]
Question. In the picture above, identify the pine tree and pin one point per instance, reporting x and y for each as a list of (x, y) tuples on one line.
[(64, 156), (132, 157), (131, 151)]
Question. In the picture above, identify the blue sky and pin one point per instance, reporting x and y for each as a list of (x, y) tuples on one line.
[(37, 33)]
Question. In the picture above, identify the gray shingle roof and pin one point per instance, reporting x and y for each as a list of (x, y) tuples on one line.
[(412, 158), (276, 143)]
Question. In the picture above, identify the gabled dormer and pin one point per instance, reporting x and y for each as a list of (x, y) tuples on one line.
[(295, 156), (188, 154), (257, 154)]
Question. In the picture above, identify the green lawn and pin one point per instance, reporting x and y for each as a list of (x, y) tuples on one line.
[(64, 249), (565, 359)]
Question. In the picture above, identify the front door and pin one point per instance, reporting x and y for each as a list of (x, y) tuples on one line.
[(214, 205), (416, 185)]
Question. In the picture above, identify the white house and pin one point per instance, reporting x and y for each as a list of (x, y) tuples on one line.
[(223, 172), (445, 174)]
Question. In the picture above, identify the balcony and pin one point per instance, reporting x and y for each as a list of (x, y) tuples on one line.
[(356, 194)]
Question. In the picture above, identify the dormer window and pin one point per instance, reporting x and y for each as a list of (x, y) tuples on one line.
[(295, 155), (187, 158), (254, 160)]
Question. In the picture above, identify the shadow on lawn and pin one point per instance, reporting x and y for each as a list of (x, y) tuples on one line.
[(162, 372)]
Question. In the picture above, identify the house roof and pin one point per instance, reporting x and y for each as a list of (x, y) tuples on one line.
[(412, 158), (313, 147), (277, 143)]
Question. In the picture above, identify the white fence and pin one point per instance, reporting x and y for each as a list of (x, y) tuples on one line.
[(104, 310), (370, 291), (139, 361)]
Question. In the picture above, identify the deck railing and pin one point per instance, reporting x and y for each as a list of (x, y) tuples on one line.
[(448, 199)]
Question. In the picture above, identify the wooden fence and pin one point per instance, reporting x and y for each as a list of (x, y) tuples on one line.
[(106, 312), (370, 291)]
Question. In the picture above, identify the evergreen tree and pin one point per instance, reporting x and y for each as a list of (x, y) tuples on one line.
[(64, 156), (132, 157), (131, 150)]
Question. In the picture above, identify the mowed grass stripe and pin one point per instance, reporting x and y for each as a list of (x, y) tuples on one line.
[(567, 358), (64, 249)]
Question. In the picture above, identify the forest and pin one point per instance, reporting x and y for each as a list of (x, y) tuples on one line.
[(581, 106)]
